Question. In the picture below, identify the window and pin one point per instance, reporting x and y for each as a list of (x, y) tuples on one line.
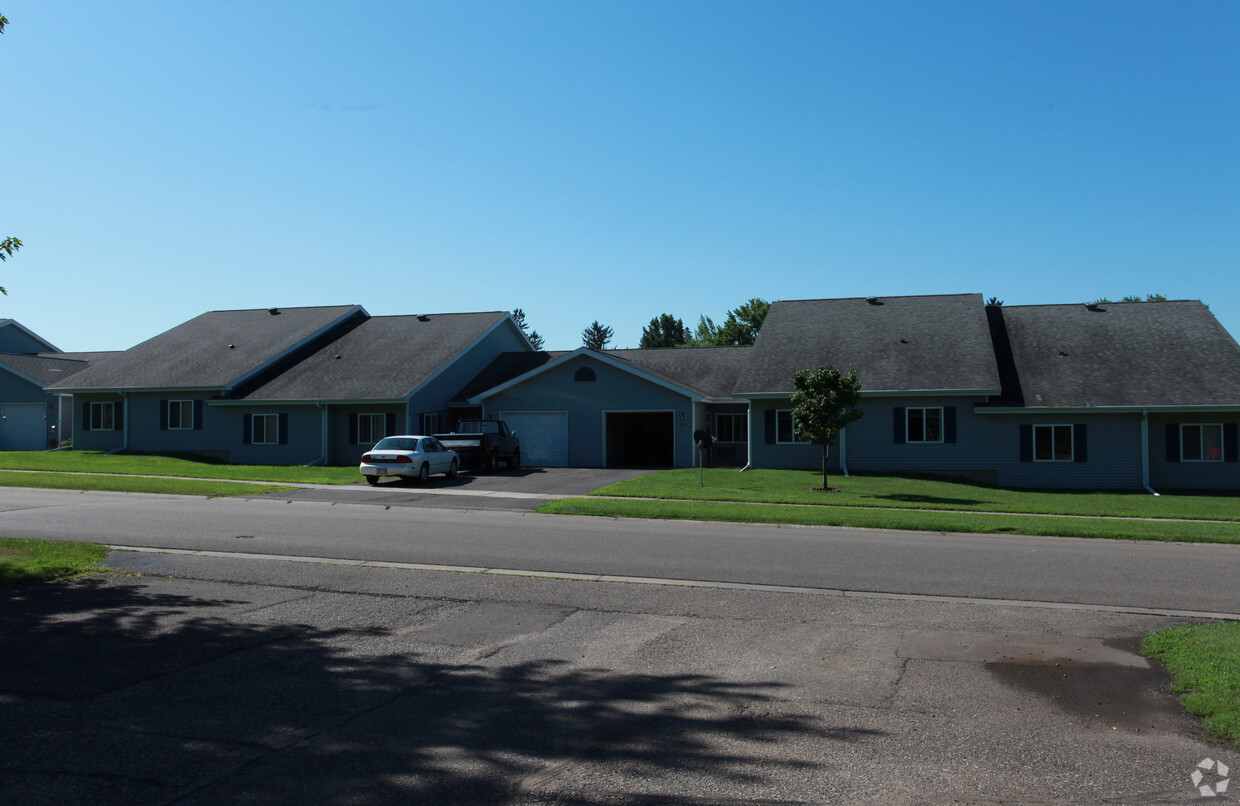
[(432, 424), (370, 428), (101, 417), (924, 424), (180, 415), (1201, 443), (1052, 443), (732, 427), (784, 432), (266, 429)]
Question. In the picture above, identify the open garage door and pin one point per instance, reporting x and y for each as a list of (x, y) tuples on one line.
[(641, 439), (543, 435)]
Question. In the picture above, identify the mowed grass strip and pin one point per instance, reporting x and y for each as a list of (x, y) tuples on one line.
[(914, 492), (1121, 529), (23, 561), (166, 465), (135, 484), (1204, 663)]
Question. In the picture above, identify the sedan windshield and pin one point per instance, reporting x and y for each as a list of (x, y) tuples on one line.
[(396, 444)]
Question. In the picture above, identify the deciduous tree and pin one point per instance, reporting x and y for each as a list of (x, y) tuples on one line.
[(664, 330), (824, 402)]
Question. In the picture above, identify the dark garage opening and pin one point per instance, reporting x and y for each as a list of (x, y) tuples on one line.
[(640, 439)]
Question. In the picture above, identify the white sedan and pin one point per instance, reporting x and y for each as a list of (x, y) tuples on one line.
[(412, 457)]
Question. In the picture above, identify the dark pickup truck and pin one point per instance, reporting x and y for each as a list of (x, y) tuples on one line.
[(483, 443)]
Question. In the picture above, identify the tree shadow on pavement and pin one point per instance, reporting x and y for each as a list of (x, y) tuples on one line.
[(112, 693)]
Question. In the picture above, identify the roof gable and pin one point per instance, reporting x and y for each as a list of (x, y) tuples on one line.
[(383, 358), (1125, 354), (898, 344), (216, 350), (17, 338)]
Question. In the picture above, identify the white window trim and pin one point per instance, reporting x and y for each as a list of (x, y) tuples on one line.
[(271, 429), (97, 406), (1053, 426), (1201, 441), (182, 405), (908, 433), (432, 423), (792, 421), (381, 430)]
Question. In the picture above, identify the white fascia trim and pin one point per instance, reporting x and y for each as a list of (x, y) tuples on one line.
[(886, 393), (598, 356), (51, 348), (240, 379), (23, 376), (408, 399), (1028, 410), (103, 390), (387, 401)]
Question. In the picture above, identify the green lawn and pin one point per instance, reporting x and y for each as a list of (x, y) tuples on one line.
[(908, 492), (1204, 662), (24, 561), (182, 466), (912, 503), (135, 484)]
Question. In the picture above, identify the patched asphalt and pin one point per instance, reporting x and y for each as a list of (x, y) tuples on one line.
[(207, 680)]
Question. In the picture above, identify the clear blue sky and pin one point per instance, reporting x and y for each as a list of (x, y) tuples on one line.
[(609, 160)]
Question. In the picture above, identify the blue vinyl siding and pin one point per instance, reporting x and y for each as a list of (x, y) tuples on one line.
[(341, 448), (84, 440), (587, 401), (15, 390), (1166, 475), (435, 396), (304, 436), (145, 433)]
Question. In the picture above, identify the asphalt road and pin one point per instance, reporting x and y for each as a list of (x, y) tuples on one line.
[(1166, 576)]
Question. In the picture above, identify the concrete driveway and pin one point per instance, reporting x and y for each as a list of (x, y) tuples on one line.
[(505, 489)]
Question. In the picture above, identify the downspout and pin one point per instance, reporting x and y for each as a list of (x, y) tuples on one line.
[(1145, 451), (322, 460), (748, 437), (844, 450)]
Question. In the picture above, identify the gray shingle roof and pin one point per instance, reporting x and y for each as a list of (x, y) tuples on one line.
[(384, 358), (44, 369), (197, 353), (898, 344), (709, 371), (1171, 353)]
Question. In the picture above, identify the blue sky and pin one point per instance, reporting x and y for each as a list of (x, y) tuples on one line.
[(609, 160)]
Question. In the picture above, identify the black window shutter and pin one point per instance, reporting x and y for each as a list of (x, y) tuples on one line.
[(163, 415), (247, 429), (390, 424), (899, 425), (85, 416), (353, 428), (1026, 443), (1080, 447), (1173, 442), (282, 419), (197, 415), (1231, 442), (949, 424), (118, 416), (770, 426)]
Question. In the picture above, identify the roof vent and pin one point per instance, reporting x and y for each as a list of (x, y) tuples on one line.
[(336, 356), (904, 341), (232, 346), (273, 311), (873, 300), (423, 318), (1092, 306), (1062, 353)]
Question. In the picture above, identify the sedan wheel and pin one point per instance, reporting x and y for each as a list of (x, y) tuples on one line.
[(372, 480), (452, 470), (424, 473)]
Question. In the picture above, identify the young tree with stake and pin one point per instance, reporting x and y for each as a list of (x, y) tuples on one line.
[(824, 402)]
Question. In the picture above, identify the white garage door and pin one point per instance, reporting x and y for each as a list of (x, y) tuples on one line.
[(543, 435), (22, 427)]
